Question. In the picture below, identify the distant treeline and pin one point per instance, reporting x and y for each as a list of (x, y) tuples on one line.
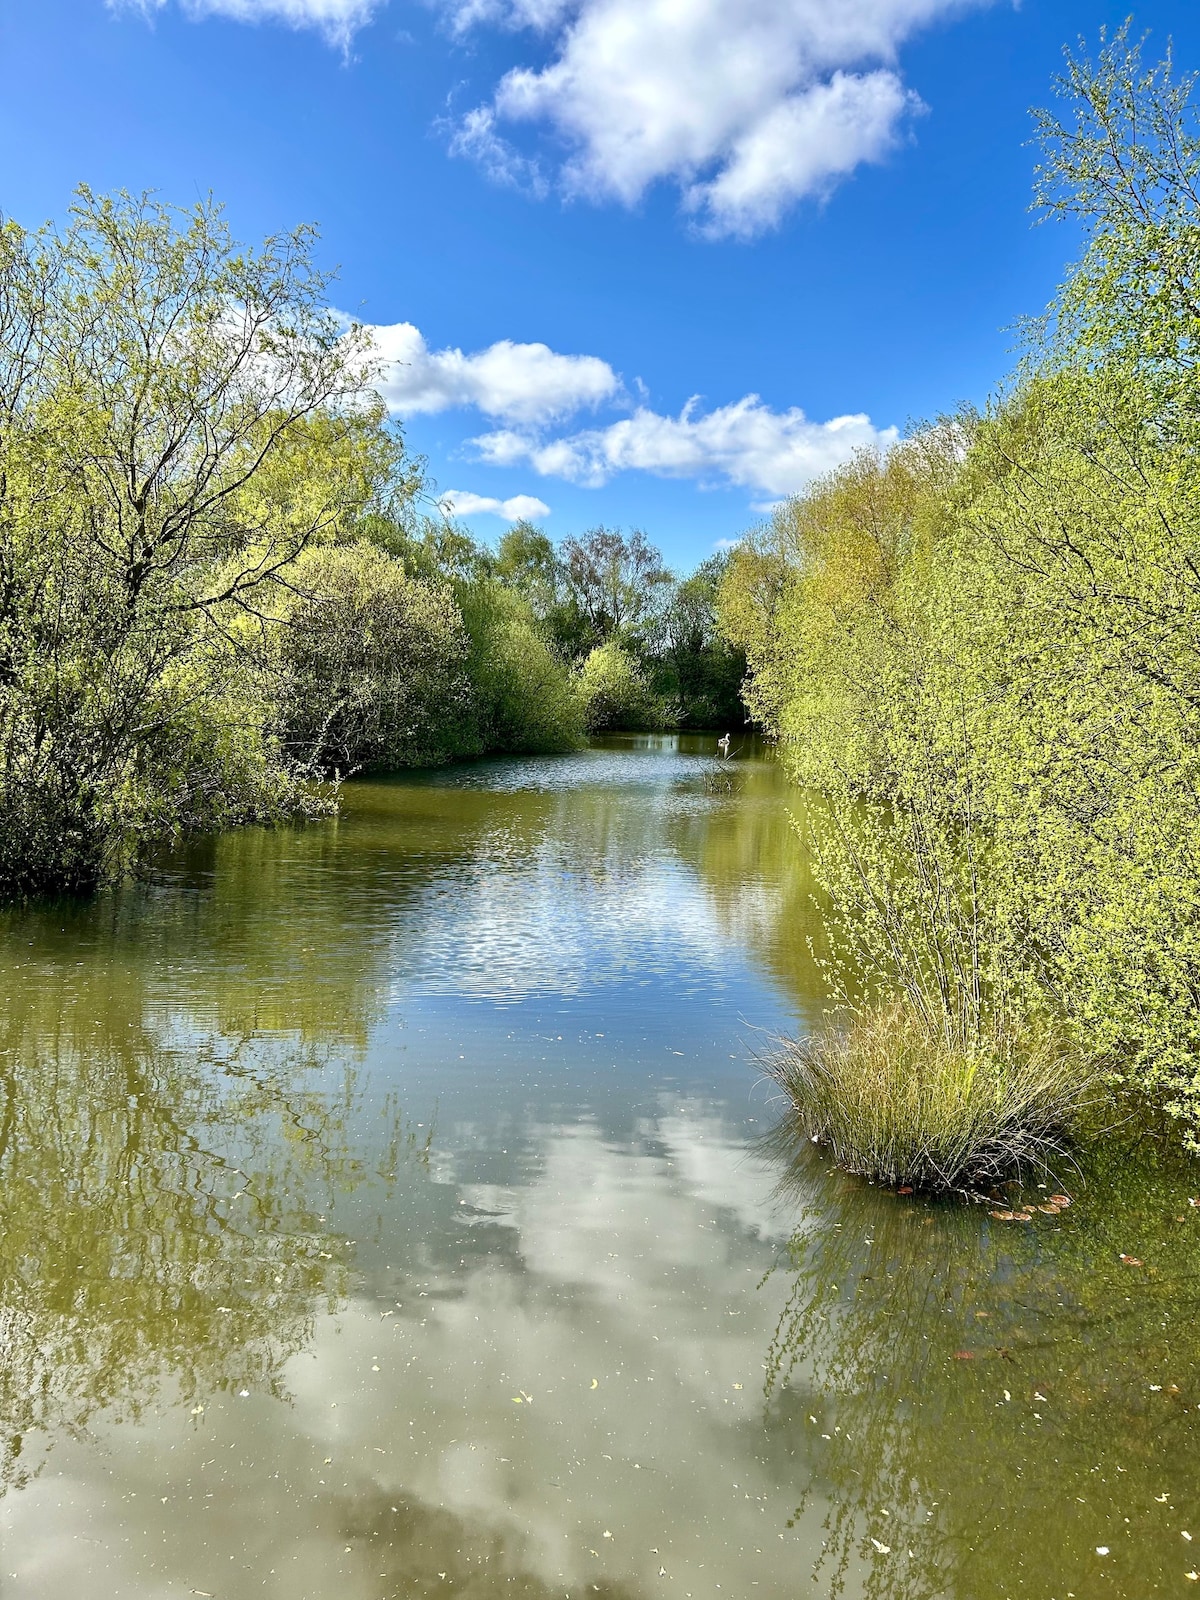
[(983, 649), (218, 588)]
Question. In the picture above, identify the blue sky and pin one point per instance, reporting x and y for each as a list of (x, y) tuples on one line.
[(643, 262)]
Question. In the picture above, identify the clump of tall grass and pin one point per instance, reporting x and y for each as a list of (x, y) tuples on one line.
[(903, 1102)]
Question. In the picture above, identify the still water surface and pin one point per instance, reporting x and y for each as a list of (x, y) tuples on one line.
[(386, 1212)]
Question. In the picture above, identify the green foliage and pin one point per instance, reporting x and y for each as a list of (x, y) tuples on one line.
[(215, 584), (614, 693), (992, 637), (696, 668), (614, 586), (524, 698), (179, 418), (375, 667), (608, 587)]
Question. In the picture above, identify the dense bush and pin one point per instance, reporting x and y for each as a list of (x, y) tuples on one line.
[(524, 700), (614, 693), (984, 646), (374, 667)]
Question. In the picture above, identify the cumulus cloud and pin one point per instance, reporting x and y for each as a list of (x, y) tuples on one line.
[(745, 443), (462, 503), (337, 20), (800, 147), (532, 391), (748, 105), (523, 383)]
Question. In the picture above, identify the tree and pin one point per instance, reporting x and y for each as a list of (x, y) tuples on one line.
[(698, 669), (179, 419), (615, 583), (375, 666)]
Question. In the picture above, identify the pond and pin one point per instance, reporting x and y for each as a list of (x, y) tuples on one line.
[(388, 1209)]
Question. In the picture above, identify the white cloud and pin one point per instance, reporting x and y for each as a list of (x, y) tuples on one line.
[(476, 138), (801, 147), (462, 503), (744, 443), (532, 391), (523, 383), (337, 20), (748, 105)]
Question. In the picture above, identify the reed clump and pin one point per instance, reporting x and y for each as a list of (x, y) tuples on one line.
[(721, 777), (902, 1101)]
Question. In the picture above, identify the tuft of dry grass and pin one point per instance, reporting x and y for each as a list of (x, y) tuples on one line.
[(902, 1102)]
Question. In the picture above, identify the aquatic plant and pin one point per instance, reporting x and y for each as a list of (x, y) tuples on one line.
[(904, 1102)]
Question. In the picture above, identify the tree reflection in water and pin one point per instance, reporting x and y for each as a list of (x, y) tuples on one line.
[(163, 1192), (964, 1382)]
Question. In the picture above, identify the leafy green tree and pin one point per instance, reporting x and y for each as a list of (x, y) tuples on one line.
[(179, 419), (992, 634), (696, 667), (375, 666), (615, 584), (525, 701), (615, 693)]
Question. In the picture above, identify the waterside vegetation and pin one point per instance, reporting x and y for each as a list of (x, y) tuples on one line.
[(224, 583), (981, 647)]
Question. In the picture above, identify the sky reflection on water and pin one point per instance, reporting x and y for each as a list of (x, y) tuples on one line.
[(528, 1352), (385, 1212)]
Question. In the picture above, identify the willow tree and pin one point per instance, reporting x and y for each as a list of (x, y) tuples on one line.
[(179, 419)]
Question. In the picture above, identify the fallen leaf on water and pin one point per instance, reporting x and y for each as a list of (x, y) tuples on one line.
[(1131, 1261), (884, 1549), (1003, 1216), (1050, 1210), (1061, 1199)]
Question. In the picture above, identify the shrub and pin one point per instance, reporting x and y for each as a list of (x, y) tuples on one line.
[(900, 1101), (374, 665), (614, 693), (524, 699)]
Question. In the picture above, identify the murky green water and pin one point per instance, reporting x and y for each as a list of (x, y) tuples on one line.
[(385, 1213)]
